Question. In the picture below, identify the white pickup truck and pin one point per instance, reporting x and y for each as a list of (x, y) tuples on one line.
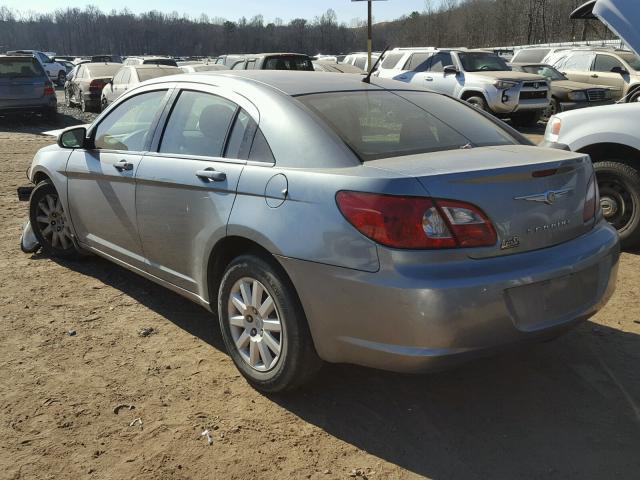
[(56, 71), (609, 134)]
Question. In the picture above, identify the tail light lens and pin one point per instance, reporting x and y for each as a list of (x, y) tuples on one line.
[(592, 200), (416, 222), (49, 90), (96, 85)]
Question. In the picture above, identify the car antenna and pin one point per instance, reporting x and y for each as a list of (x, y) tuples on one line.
[(367, 78)]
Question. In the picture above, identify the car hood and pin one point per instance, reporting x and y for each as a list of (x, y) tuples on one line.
[(570, 86), (511, 75), (621, 16)]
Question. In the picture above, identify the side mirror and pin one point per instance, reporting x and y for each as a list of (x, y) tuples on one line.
[(620, 70), (450, 70), (73, 138)]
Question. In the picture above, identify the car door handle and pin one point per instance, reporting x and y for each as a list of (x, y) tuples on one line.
[(594, 76), (209, 174), (123, 165), (429, 79)]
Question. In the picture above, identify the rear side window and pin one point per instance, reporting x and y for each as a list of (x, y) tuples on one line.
[(534, 55), (149, 73), (384, 124), (198, 125), (360, 62), (239, 145), (391, 60), (127, 127), (126, 76), (578, 61), (417, 60), (20, 67), (260, 150)]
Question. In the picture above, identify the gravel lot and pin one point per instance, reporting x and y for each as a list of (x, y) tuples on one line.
[(72, 360)]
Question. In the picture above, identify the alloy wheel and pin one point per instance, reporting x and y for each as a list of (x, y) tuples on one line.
[(255, 324), (52, 222)]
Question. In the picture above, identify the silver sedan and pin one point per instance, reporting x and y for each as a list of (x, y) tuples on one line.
[(321, 217)]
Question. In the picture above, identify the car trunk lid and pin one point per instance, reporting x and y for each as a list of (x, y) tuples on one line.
[(534, 197)]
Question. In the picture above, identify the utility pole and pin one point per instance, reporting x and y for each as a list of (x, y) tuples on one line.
[(369, 29)]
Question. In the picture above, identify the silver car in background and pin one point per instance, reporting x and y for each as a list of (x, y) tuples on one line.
[(322, 217), (129, 77)]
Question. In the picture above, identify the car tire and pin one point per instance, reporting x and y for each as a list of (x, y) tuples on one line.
[(269, 340), (619, 185), (62, 78), (103, 104), (51, 114), (67, 98), (479, 102), (635, 96), (551, 110), (50, 223)]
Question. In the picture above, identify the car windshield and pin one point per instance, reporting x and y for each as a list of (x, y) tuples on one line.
[(20, 67), (149, 73), (631, 59), (382, 124), (482, 61), (544, 70), (288, 63), (103, 70)]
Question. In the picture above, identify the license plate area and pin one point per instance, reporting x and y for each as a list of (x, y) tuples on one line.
[(543, 304)]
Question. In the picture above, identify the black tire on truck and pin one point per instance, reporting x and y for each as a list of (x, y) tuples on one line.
[(526, 119), (479, 102), (619, 185)]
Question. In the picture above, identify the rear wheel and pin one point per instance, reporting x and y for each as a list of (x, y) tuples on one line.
[(50, 223), (264, 327), (635, 96), (619, 186)]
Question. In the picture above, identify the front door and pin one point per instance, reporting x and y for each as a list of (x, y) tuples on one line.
[(436, 79), (101, 179), (602, 74), (187, 186)]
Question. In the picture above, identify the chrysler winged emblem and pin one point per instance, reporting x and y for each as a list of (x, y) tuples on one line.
[(548, 197)]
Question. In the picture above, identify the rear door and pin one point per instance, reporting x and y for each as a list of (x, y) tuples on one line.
[(601, 73), (101, 179), (187, 185), (577, 66), (416, 68)]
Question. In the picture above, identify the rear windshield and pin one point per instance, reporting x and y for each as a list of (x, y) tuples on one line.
[(382, 124), (20, 67), (482, 62), (288, 63), (149, 73), (162, 61), (531, 56), (103, 70)]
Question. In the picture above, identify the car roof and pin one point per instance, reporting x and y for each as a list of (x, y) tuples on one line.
[(293, 83)]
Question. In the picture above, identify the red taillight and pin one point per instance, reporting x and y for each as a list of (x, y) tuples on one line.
[(591, 201), (416, 222), (49, 90), (97, 85)]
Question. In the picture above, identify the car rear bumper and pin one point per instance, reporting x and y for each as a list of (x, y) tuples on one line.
[(568, 106), (33, 105), (421, 317)]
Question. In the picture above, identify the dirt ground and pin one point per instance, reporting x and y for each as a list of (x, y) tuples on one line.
[(72, 361)]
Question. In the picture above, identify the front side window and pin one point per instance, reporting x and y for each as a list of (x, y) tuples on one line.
[(482, 62), (439, 61), (382, 124), (360, 62), (631, 59), (606, 63), (128, 126), (198, 125)]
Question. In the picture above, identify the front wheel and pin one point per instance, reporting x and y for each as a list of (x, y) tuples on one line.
[(264, 327), (619, 186), (50, 223), (551, 110), (478, 102), (83, 104), (635, 96)]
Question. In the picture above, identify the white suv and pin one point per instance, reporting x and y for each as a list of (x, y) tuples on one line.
[(56, 71), (481, 78)]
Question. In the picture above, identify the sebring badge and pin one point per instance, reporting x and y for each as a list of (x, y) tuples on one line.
[(549, 197)]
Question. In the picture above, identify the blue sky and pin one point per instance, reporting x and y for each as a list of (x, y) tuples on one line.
[(232, 10)]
